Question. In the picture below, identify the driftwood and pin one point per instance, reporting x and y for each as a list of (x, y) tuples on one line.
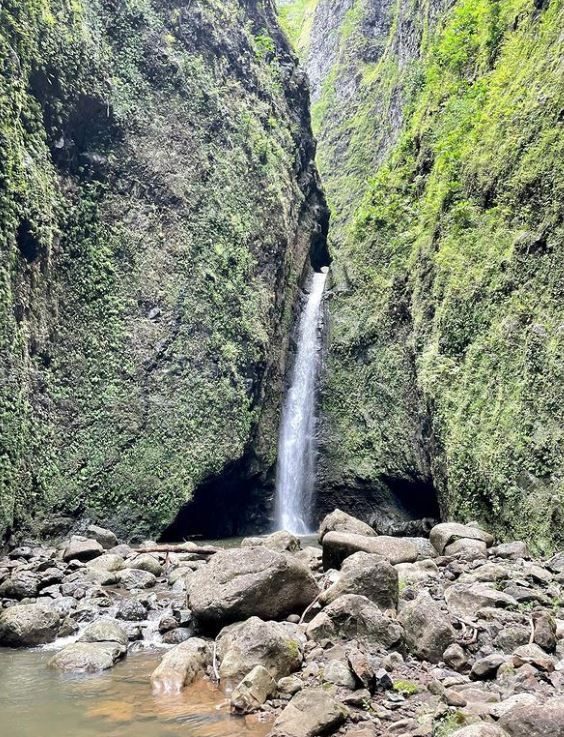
[(180, 548)]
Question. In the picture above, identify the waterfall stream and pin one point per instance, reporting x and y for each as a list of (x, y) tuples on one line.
[(296, 446)]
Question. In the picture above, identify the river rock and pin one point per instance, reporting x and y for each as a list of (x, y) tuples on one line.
[(135, 578), (368, 575), (105, 630), (131, 610), (466, 599), (340, 545), (421, 570), (20, 585), (542, 720), (354, 617), (180, 666), (146, 562), (280, 541), (511, 551), (311, 712), (106, 538), (455, 657), (446, 533), (339, 521), (428, 631), (237, 584), (107, 562), (27, 625), (87, 657), (277, 646), (82, 548), (255, 688), (467, 549)]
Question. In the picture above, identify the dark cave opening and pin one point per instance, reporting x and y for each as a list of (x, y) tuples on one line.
[(27, 241), (319, 255)]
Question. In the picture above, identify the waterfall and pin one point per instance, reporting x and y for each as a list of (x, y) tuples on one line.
[(296, 446)]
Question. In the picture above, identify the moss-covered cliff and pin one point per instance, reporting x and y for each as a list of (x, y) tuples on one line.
[(441, 147), (157, 204)]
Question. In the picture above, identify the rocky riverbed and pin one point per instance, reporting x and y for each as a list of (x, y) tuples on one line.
[(365, 635)]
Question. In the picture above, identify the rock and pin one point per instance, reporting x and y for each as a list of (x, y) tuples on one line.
[(428, 631), (20, 585), (180, 666), (105, 537), (362, 668), (367, 575), (467, 549), (175, 637), (534, 655), (487, 667), (82, 548), (513, 702), (339, 521), (546, 720), (338, 672), (105, 630), (134, 578), (146, 562), (382, 680), (131, 610), (481, 729), (454, 698), (280, 541), (87, 657), (237, 584), (255, 688), (446, 533), (455, 657), (277, 646), (311, 712), (466, 599), (26, 625), (510, 551), (354, 617), (340, 545), (289, 685), (107, 562), (544, 631), (410, 573), (511, 637)]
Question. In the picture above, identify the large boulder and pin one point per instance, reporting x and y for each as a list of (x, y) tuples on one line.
[(339, 521), (180, 666), (368, 575), (109, 562), (340, 545), (280, 541), (354, 617), (106, 538), (446, 533), (135, 578), (26, 625), (105, 630), (311, 712), (277, 646), (146, 562), (237, 584), (255, 688), (87, 657), (82, 548), (546, 720), (465, 599), (428, 631), (20, 585)]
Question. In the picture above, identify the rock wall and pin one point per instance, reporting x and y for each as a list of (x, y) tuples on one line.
[(440, 146), (158, 201)]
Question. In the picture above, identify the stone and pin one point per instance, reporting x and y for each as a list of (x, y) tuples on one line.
[(280, 541), (422, 570), (465, 600), (480, 729), (135, 578), (362, 668), (544, 631), (289, 685), (27, 625), (237, 584), (454, 698), (467, 549), (487, 667), (251, 693), (339, 673), (131, 610), (175, 637), (106, 538), (340, 545), (339, 521), (354, 617), (105, 630), (534, 655), (446, 533), (311, 712), (180, 666), (87, 657), (368, 575), (455, 657), (510, 551), (107, 562), (82, 548), (146, 562), (513, 702), (277, 646), (428, 631), (542, 720), (20, 585), (512, 637)]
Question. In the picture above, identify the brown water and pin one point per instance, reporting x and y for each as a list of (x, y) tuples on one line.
[(38, 702)]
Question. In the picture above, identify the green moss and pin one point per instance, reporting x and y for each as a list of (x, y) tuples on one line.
[(406, 687)]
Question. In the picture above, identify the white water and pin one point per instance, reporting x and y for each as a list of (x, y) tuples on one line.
[(296, 446)]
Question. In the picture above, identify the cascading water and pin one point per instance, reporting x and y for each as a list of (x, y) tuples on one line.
[(296, 446)]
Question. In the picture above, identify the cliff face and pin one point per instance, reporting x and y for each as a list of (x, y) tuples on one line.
[(158, 201), (440, 144)]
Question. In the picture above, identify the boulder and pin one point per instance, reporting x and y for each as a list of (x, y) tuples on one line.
[(20, 585), (237, 584), (82, 548), (465, 599), (180, 666), (533, 655), (105, 630), (446, 533), (107, 562), (368, 575), (146, 562), (134, 578), (487, 667), (546, 720), (428, 631), (510, 551), (339, 673), (481, 729), (87, 657), (105, 537), (467, 549), (340, 545), (27, 625), (131, 610), (545, 631), (280, 541), (513, 702), (311, 712), (354, 617), (421, 570), (276, 646), (339, 521), (455, 657), (255, 688)]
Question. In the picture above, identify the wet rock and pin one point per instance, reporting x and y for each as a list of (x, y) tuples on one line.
[(367, 575), (175, 637), (339, 521), (447, 533), (354, 617), (82, 548), (280, 541), (27, 625), (255, 688), (277, 646), (410, 573), (311, 712), (467, 599), (146, 562), (105, 630), (105, 537), (455, 657), (20, 585), (131, 610), (134, 578), (487, 667), (87, 657), (237, 584), (546, 720), (428, 631), (181, 666), (340, 545)]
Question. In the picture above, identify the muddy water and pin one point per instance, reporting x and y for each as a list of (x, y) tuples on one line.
[(38, 702)]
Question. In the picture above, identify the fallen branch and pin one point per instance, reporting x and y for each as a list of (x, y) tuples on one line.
[(180, 548)]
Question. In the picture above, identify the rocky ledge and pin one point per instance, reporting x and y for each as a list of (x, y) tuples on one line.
[(363, 636)]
